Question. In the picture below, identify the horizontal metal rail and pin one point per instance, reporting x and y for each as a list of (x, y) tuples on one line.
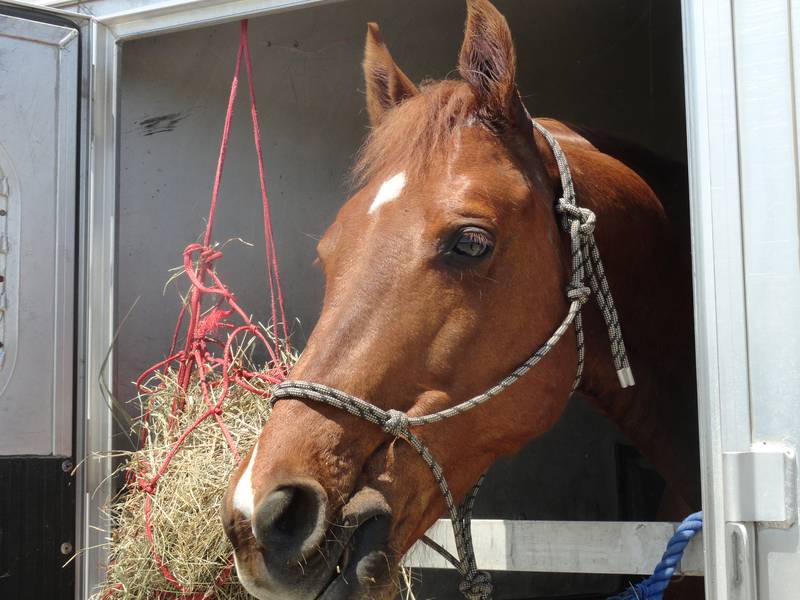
[(154, 17), (621, 548)]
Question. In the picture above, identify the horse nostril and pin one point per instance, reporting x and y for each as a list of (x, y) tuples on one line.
[(290, 522)]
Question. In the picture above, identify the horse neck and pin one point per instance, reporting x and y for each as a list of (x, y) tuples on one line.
[(649, 273), (645, 252)]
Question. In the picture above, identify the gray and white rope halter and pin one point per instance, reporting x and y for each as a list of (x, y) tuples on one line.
[(587, 267)]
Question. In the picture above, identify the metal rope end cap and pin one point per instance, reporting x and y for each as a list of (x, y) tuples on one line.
[(625, 376)]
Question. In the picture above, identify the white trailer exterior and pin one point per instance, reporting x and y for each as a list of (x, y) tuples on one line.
[(742, 62)]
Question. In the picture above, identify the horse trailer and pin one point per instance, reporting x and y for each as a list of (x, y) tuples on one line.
[(109, 129)]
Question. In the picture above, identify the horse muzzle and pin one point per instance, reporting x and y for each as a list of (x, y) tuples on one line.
[(288, 548)]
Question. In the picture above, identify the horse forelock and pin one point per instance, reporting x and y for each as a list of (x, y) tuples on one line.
[(418, 133)]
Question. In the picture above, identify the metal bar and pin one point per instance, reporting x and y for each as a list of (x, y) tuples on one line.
[(82, 244), (53, 8), (97, 280), (187, 14), (64, 259), (562, 547), (720, 324)]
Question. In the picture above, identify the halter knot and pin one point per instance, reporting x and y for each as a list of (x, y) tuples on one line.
[(583, 215), (396, 423), (580, 293), (477, 587)]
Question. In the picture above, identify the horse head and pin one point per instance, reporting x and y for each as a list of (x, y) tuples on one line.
[(444, 271)]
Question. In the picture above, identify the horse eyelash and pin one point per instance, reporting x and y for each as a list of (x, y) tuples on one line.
[(477, 236)]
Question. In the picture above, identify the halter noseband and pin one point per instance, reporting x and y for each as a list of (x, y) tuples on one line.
[(586, 265)]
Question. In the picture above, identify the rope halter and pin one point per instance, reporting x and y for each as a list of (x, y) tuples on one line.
[(588, 277)]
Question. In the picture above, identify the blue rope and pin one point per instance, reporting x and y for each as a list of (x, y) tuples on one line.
[(653, 587)]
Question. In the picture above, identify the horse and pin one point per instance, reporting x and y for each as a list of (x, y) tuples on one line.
[(445, 270)]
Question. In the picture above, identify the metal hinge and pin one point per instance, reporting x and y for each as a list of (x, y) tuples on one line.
[(760, 486)]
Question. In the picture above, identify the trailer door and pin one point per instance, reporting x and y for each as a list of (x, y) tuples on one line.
[(39, 117)]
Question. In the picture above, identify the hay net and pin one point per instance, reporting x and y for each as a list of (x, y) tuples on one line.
[(200, 405)]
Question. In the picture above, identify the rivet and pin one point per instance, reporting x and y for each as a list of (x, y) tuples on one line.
[(67, 466), (66, 548)]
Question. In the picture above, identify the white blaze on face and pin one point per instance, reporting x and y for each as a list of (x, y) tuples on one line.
[(390, 190), (243, 496)]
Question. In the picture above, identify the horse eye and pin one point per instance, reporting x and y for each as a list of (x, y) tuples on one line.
[(473, 242)]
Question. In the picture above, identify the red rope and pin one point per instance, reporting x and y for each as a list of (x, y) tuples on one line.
[(269, 239), (198, 360)]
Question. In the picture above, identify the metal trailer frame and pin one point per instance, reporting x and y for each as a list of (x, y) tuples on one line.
[(48, 398), (741, 67)]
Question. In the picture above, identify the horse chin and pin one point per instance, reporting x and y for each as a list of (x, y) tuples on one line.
[(362, 573), (365, 567)]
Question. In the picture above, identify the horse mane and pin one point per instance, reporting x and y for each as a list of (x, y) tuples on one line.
[(417, 132)]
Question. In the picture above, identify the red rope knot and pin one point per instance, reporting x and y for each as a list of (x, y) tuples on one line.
[(211, 322), (205, 259), (206, 254), (147, 487)]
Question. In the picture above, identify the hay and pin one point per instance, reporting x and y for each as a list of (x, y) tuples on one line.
[(186, 529)]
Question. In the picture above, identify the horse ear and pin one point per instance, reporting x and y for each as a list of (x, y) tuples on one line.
[(488, 62), (387, 85)]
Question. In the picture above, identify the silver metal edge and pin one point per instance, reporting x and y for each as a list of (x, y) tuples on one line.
[(176, 15), (720, 318), (64, 296), (53, 8), (96, 298)]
